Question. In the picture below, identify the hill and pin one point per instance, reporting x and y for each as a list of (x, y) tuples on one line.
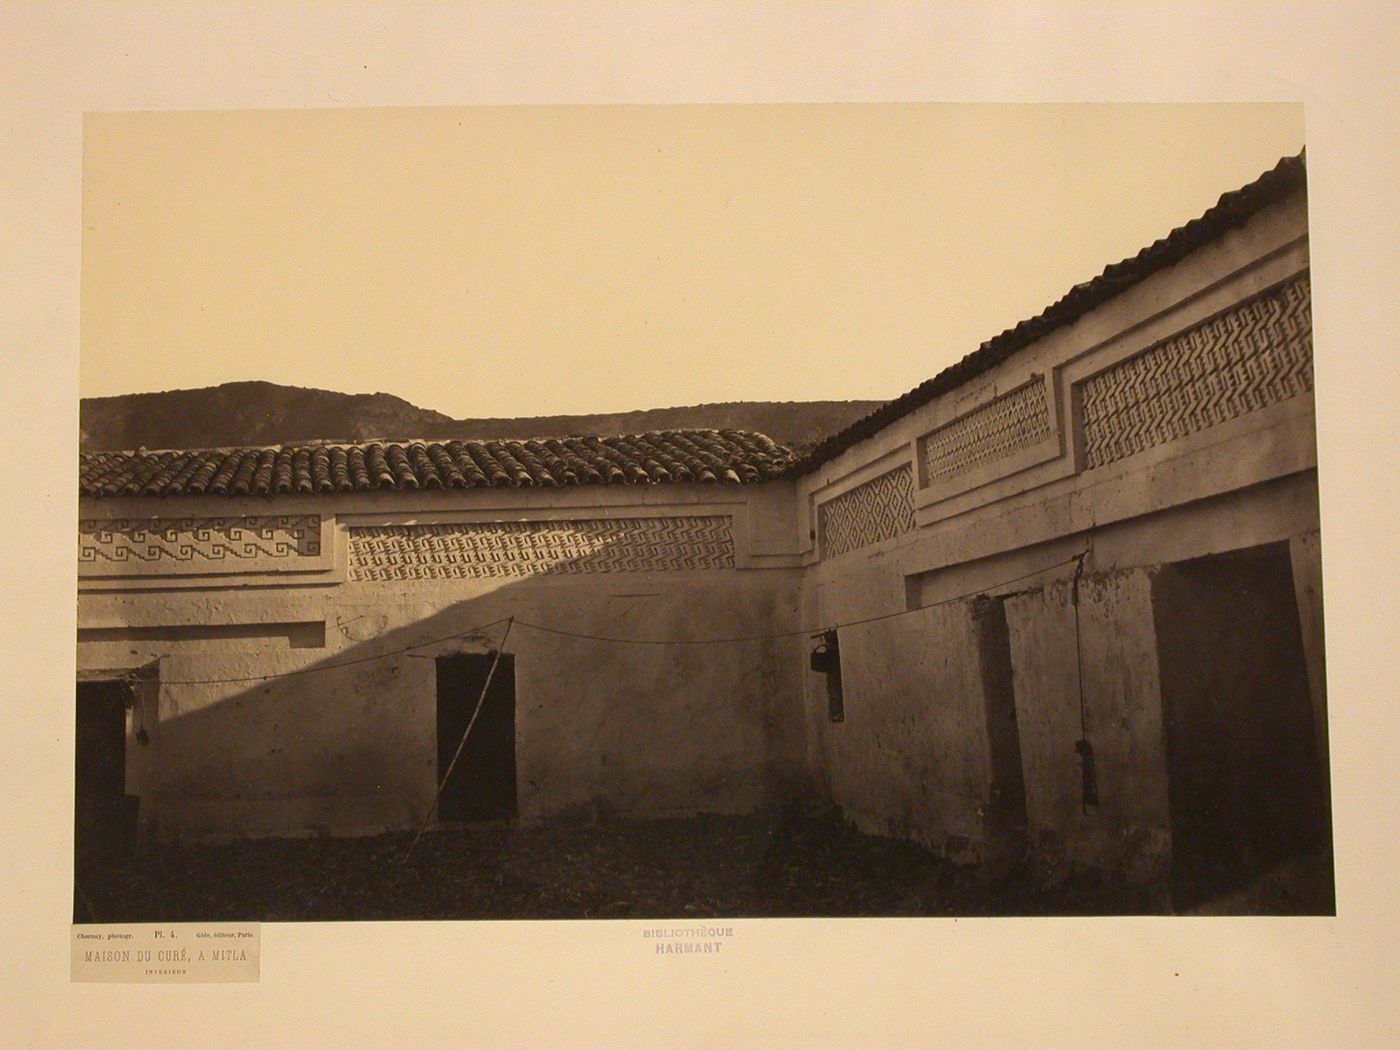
[(258, 413)]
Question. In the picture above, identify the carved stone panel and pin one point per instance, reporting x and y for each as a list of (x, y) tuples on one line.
[(1255, 355), (172, 546), (1002, 427), (879, 509), (529, 548)]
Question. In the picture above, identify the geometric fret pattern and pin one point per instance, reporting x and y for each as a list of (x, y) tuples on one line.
[(1012, 422), (124, 546), (880, 509), (530, 548), (1253, 356)]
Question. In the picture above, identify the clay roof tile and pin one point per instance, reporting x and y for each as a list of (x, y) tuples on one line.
[(657, 457)]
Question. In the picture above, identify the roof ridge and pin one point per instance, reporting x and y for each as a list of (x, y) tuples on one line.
[(315, 443)]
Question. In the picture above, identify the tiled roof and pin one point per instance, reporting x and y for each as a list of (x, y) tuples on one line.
[(717, 456), (1233, 209)]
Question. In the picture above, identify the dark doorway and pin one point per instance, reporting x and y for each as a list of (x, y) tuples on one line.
[(482, 785), (101, 740), (1006, 809), (1245, 784), (104, 818)]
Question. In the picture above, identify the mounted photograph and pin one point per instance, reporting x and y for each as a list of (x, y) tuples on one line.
[(698, 512)]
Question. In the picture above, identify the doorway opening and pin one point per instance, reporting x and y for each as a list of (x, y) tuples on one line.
[(1244, 779), (482, 784), (1006, 808), (104, 815)]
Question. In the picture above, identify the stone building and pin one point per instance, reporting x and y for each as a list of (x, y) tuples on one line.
[(1062, 600)]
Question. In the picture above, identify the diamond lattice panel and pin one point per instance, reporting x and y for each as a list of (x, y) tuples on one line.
[(880, 509)]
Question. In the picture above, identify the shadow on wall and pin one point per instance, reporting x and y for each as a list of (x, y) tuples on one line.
[(355, 741), (352, 742)]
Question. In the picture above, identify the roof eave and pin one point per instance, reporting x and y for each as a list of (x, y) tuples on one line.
[(1235, 208)]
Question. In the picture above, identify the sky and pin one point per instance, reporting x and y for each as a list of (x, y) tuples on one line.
[(517, 261)]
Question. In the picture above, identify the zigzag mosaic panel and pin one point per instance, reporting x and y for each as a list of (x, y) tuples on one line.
[(879, 509), (161, 545), (1010, 423), (529, 548), (1253, 356)]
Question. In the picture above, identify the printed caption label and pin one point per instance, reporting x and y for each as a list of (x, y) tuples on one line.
[(167, 953)]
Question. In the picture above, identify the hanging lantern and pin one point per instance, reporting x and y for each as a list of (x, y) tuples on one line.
[(826, 657)]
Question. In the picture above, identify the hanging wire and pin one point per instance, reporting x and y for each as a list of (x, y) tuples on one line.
[(1089, 784), (616, 640), (336, 665), (1078, 647), (807, 631)]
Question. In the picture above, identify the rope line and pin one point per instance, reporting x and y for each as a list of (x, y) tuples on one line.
[(1089, 785), (615, 640), (1078, 647), (809, 632), (335, 666)]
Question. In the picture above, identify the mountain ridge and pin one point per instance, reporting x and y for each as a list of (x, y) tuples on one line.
[(260, 413)]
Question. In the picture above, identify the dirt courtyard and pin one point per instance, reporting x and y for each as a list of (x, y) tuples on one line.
[(794, 863)]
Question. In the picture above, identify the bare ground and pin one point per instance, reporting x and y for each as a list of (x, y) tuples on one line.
[(779, 865), (791, 864)]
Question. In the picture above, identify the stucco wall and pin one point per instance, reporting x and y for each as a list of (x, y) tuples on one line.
[(650, 729), (341, 738), (1174, 421), (910, 759), (1118, 712)]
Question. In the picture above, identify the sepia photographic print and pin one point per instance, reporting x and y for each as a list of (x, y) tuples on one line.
[(698, 513)]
